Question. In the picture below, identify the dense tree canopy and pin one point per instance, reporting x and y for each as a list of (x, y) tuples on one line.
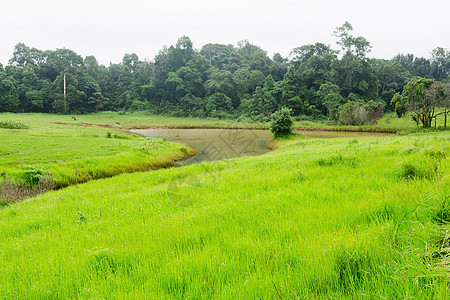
[(218, 80)]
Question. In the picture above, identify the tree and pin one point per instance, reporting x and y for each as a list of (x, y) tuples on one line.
[(24, 56), (218, 105), (240, 78), (9, 102), (392, 77), (281, 122), (280, 66), (175, 84), (421, 96), (352, 113), (440, 64), (254, 57), (330, 97), (304, 53), (131, 61), (256, 80), (446, 103), (357, 46)]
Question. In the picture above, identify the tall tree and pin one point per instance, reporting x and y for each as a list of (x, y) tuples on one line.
[(357, 46), (421, 96)]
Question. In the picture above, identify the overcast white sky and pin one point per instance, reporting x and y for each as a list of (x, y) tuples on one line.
[(109, 29)]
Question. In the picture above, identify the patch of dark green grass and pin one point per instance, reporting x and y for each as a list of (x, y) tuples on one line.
[(352, 268), (441, 215), (13, 125), (418, 170), (419, 130), (106, 264), (338, 160)]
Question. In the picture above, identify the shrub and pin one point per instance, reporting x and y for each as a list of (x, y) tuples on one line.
[(13, 125), (281, 122), (352, 113)]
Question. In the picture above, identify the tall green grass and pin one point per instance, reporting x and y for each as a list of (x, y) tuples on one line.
[(342, 218), (45, 154)]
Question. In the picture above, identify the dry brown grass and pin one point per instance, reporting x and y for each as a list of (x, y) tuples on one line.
[(11, 192)]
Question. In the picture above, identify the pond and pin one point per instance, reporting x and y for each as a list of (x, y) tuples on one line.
[(214, 144), (218, 144)]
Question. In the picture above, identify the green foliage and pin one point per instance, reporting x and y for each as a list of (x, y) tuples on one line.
[(422, 168), (338, 160), (218, 105), (181, 80), (399, 105), (281, 122), (31, 177), (422, 97), (138, 106), (13, 125), (330, 96), (352, 113)]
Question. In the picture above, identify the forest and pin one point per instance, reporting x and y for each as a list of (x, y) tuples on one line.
[(218, 81)]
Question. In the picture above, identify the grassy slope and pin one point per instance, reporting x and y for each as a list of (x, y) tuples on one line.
[(73, 154), (338, 218)]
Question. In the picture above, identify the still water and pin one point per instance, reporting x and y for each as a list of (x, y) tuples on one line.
[(214, 144), (217, 144)]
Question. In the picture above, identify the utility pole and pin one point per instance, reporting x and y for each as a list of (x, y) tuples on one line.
[(65, 102)]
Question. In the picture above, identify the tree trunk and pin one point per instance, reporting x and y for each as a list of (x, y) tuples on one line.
[(445, 118)]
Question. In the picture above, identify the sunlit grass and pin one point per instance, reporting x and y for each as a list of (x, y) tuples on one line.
[(342, 218)]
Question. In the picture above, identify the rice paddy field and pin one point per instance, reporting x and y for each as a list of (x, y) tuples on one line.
[(339, 218)]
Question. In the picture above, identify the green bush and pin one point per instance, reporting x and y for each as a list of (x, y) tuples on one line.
[(13, 125), (31, 177), (281, 122)]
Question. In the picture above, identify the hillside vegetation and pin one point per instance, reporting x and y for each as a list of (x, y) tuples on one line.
[(317, 81)]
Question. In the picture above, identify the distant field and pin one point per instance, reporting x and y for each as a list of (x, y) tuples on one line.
[(317, 218), (115, 121)]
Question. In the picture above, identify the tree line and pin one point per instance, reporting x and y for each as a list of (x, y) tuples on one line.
[(221, 81)]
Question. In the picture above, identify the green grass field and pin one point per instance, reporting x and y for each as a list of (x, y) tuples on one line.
[(317, 218), (68, 154)]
